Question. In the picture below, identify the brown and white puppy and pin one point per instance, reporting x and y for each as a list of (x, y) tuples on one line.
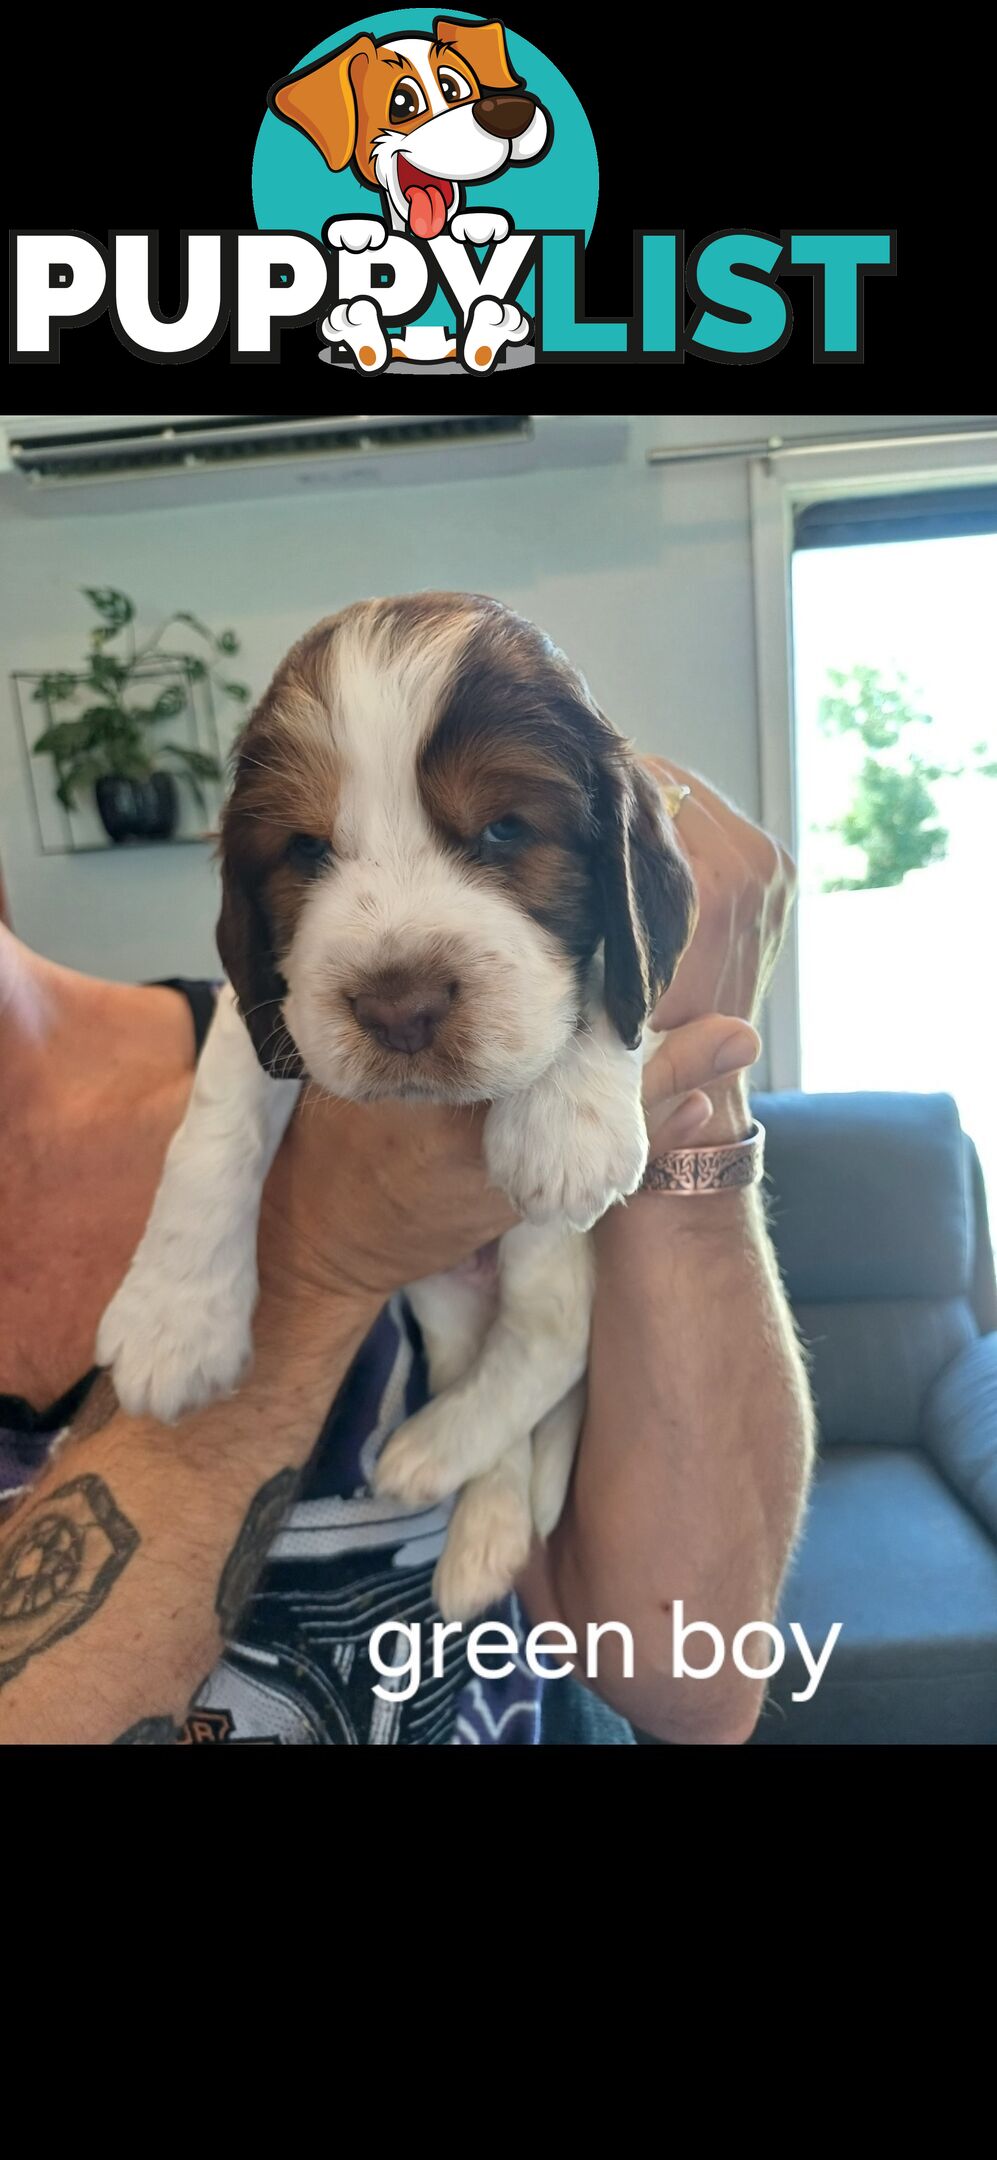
[(445, 878), (421, 119)]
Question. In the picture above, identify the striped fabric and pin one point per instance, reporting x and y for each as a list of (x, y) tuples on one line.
[(344, 1563)]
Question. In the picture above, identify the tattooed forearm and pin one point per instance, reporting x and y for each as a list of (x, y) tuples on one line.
[(149, 1732), (60, 1557), (161, 1731), (245, 1561)]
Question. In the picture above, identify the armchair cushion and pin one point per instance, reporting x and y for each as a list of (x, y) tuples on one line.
[(870, 1196), (871, 1365), (912, 1575), (959, 1428)]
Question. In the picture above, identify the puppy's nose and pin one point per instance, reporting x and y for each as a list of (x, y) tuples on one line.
[(507, 115), (405, 1020)]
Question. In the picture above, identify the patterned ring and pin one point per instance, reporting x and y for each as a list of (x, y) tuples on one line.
[(709, 1169)]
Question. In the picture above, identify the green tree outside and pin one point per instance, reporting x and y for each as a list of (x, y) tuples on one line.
[(893, 815)]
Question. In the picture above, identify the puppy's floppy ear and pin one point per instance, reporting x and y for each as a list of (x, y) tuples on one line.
[(245, 944), (648, 896), (322, 100), (483, 46)]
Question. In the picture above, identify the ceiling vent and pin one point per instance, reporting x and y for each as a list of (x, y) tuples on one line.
[(95, 462)]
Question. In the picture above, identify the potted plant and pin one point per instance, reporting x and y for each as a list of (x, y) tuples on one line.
[(113, 743)]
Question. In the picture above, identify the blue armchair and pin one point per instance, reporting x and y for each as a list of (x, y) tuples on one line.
[(879, 1217)]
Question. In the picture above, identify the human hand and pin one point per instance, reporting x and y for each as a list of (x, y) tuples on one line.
[(682, 1079), (365, 1197), (746, 882)]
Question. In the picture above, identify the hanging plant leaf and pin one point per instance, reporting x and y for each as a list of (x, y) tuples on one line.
[(98, 719), (169, 703), (55, 689), (111, 738), (184, 615), (106, 670), (64, 739), (197, 761), (115, 607)]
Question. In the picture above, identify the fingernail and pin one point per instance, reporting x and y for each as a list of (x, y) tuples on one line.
[(736, 1051)]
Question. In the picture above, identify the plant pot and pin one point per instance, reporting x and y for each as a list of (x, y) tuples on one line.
[(138, 809)]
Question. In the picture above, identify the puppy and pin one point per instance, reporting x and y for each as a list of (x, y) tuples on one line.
[(420, 119), (445, 878)]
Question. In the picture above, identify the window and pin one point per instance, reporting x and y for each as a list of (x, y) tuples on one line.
[(895, 639), (877, 632)]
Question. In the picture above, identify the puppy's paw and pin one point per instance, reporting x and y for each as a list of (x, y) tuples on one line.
[(355, 234), (488, 1545), (561, 1159), (172, 1349), (491, 326), (422, 1460), (480, 227), (358, 324)]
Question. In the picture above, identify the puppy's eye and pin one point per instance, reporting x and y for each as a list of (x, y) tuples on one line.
[(453, 86), (406, 101), (309, 852), (502, 836)]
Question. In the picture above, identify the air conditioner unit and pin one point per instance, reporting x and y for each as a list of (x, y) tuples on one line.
[(77, 464)]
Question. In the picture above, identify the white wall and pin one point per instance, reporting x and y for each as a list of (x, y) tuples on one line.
[(643, 575)]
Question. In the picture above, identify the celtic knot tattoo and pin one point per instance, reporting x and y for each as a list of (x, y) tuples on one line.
[(148, 1732), (58, 1563), (245, 1561)]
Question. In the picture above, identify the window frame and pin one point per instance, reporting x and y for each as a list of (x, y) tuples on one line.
[(780, 484)]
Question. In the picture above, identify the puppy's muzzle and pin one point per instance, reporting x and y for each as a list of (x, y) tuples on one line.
[(403, 1015), (507, 114)]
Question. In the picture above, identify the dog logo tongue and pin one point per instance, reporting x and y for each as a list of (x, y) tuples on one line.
[(429, 199), (427, 211)]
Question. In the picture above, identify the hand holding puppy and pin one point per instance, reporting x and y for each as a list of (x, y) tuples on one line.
[(369, 1196), (745, 883)]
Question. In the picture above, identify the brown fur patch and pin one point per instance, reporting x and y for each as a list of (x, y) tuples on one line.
[(287, 777), (520, 736), (512, 743)]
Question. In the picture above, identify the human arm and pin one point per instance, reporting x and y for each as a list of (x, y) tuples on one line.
[(697, 1447), (150, 1535), (123, 1570)]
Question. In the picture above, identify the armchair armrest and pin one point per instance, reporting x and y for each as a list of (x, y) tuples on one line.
[(959, 1427)]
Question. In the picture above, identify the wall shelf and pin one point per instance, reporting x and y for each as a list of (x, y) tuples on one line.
[(60, 831)]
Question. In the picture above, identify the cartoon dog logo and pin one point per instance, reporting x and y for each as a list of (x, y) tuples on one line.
[(421, 119)]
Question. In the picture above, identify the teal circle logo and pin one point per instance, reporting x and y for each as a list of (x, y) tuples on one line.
[(303, 176)]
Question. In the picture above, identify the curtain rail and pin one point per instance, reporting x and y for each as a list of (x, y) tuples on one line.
[(776, 446)]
